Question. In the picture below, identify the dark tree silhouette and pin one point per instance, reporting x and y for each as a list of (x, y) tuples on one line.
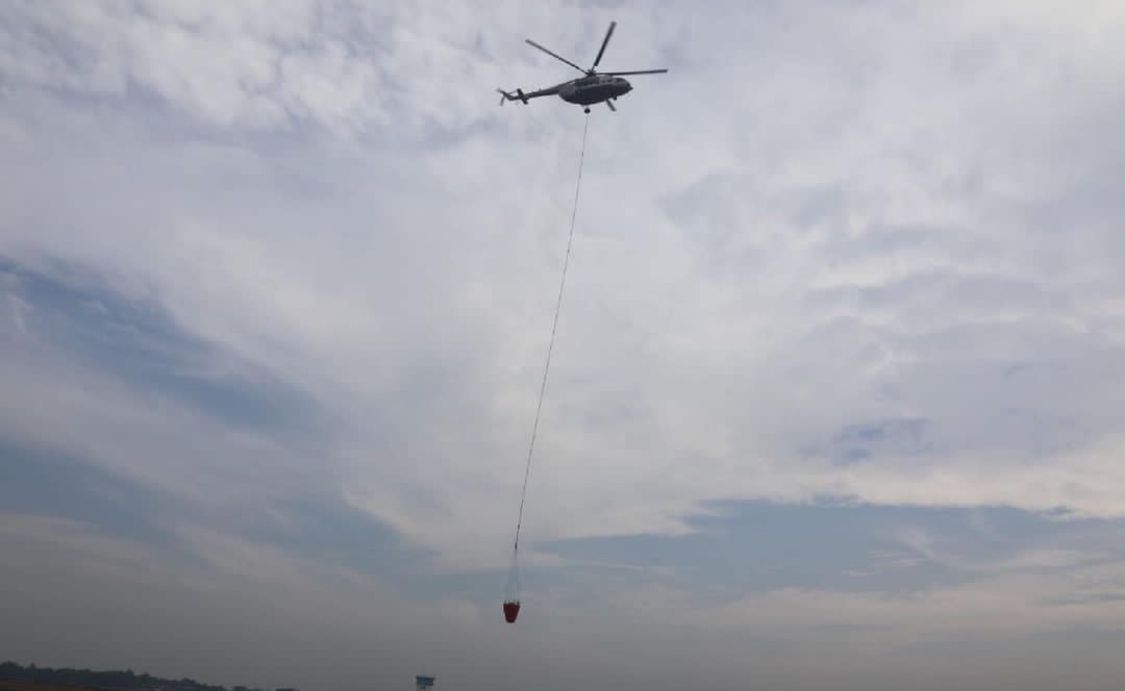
[(115, 680)]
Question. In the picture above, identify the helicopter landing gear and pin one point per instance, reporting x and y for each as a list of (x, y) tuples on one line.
[(586, 110)]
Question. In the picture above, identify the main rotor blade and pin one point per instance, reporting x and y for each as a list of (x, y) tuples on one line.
[(605, 43), (553, 55), (617, 74)]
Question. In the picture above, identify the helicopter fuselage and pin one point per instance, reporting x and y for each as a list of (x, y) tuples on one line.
[(594, 89)]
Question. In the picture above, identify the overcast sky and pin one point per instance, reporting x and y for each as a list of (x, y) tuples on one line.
[(836, 401)]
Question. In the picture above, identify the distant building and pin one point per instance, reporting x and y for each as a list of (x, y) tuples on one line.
[(423, 683)]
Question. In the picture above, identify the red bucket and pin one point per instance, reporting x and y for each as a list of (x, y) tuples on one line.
[(511, 611)]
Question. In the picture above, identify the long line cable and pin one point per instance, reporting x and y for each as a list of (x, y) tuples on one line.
[(551, 342)]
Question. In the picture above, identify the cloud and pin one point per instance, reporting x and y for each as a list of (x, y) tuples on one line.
[(862, 252), (279, 612), (835, 262)]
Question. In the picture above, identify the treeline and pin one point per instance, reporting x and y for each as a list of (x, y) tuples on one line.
[(111, 681)]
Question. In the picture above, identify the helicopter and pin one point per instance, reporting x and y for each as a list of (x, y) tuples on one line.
[(593, 87)]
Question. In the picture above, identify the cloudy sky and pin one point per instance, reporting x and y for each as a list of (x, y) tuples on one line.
[(837, 394)]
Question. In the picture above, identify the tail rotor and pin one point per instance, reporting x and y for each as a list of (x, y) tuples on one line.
[(518, 96)]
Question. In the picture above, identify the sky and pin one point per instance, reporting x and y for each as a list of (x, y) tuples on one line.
[(835, 400)]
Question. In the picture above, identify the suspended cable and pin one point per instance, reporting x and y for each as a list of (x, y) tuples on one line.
[(514, 576)]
